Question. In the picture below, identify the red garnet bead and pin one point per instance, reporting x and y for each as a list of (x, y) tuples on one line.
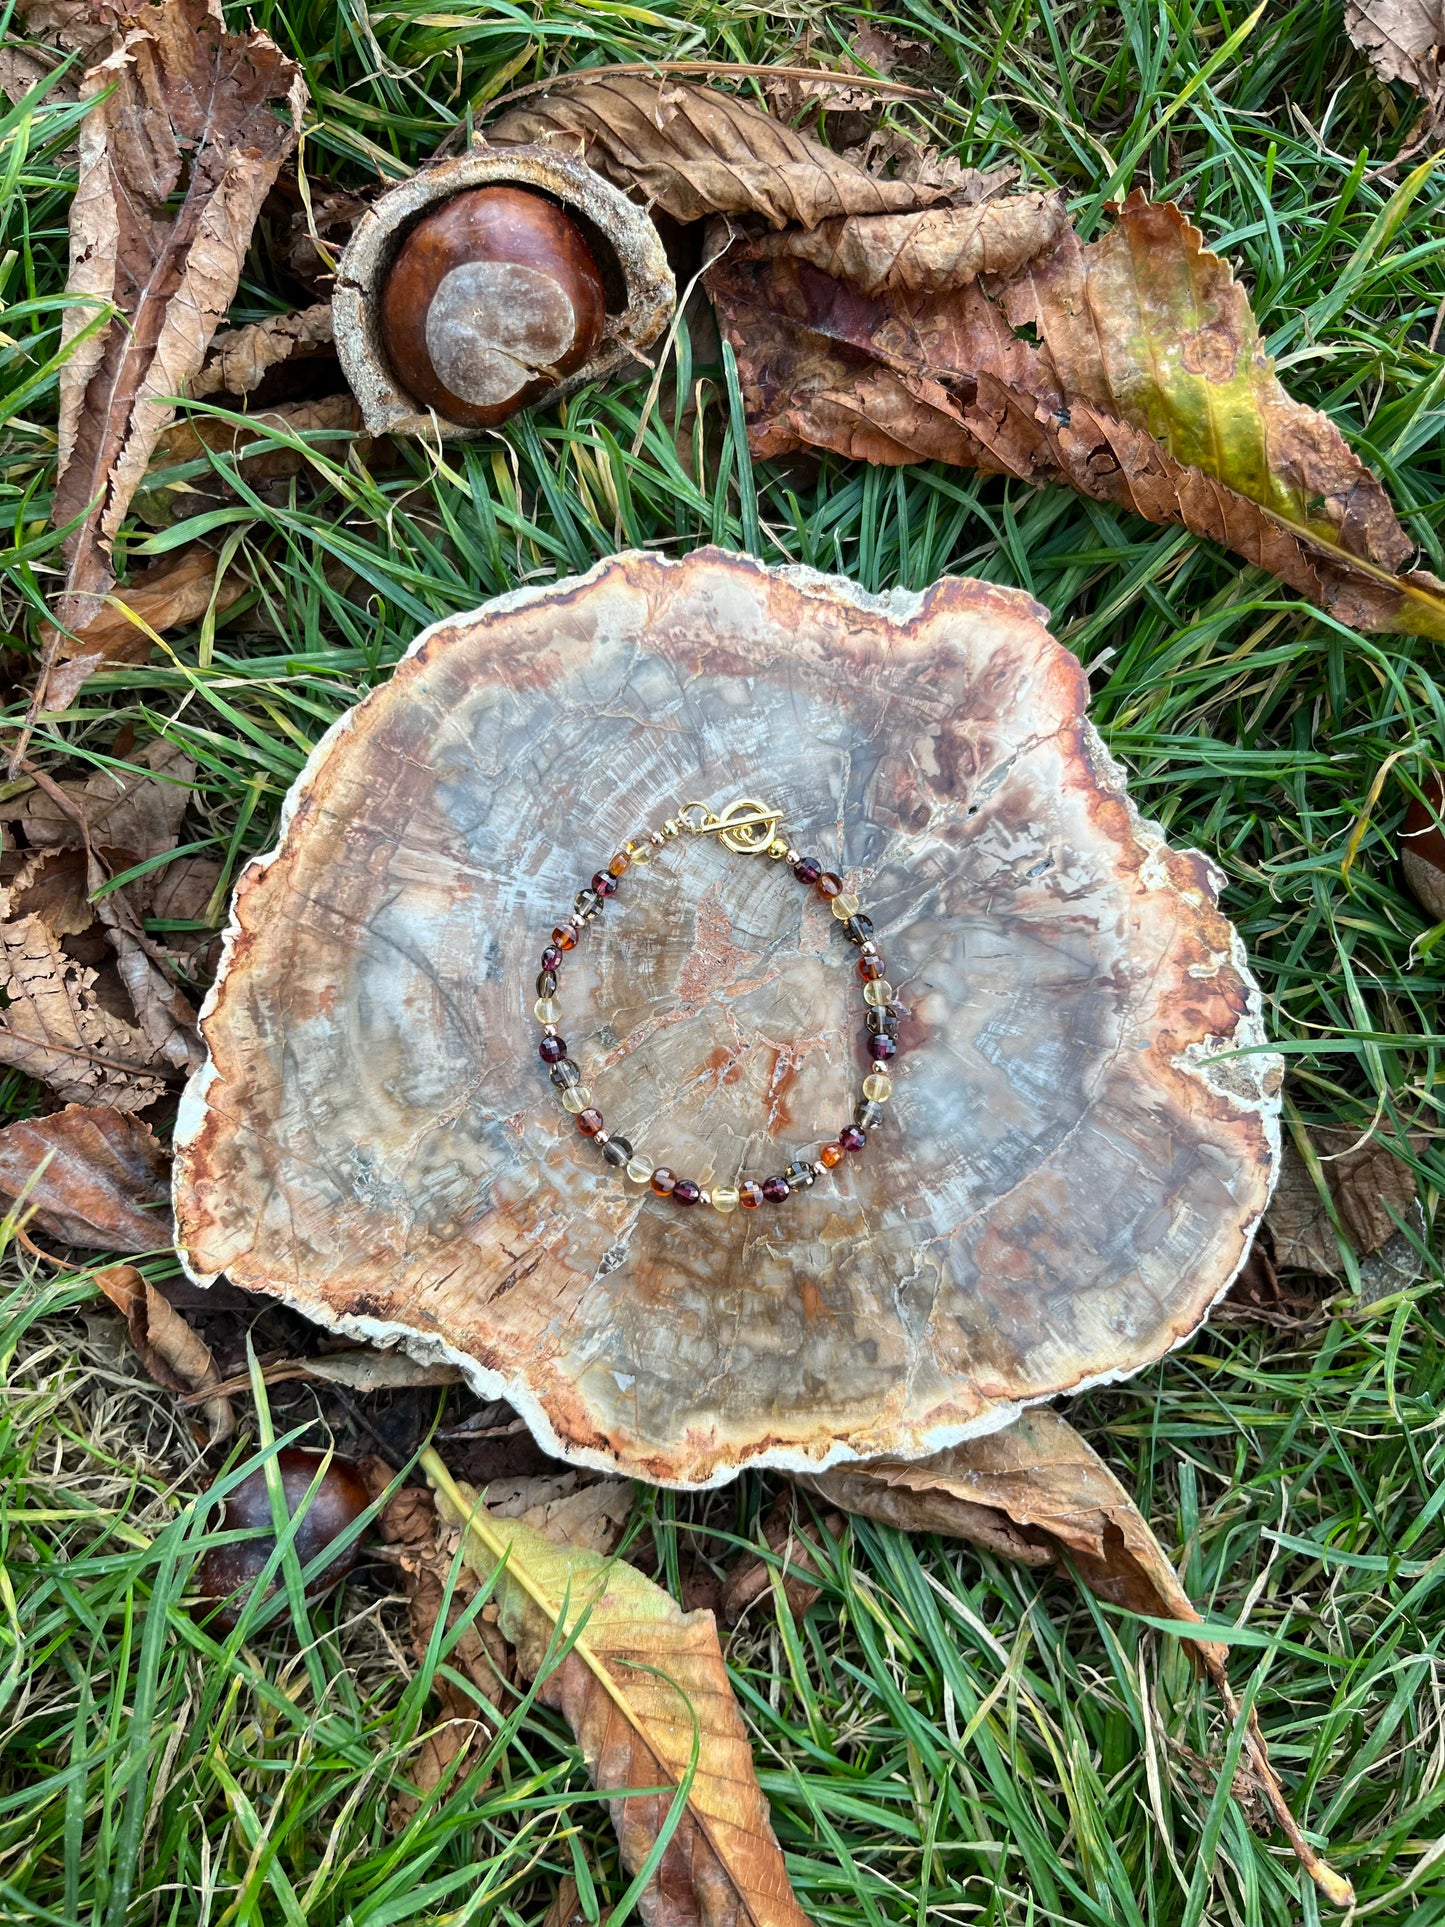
[(552, 1050), (807, 869), (750, 1194), (851, 1138), (605, 884), (589, 1123), (870, 968), (829, 886), (493, 298), (663, 1181), (564, 937), (882, 1047), (686, 1192), (775, 1190), (552, 957)]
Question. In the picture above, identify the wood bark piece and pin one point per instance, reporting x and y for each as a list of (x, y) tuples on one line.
[(1074, 1164)]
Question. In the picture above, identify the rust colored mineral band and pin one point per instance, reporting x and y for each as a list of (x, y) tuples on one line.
[(746, 827)]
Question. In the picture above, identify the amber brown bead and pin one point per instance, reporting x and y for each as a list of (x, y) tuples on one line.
[(870, 969), (618, 864), (750, 1194), (663, 1181), (829, 886), (830, 1155), (589, 1122), (493, 298), (564, 937)]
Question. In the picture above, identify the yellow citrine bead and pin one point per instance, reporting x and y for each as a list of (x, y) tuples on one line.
[(547, 1010), (639, 1170), (640, 851), (577, 1099), (724, 1198), (878, 993), (877, 1088), (844, 907)]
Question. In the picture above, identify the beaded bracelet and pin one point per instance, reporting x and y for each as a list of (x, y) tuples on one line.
[(748, 828)]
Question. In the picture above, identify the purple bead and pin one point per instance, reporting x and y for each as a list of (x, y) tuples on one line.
[(775, 1190), (686, 1192), (551, 958), (604, 885), (851, 1138), (807, 869), (552, 1050), (882, 1047)]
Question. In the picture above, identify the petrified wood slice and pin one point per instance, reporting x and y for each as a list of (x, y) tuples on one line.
[(1073, 1165)]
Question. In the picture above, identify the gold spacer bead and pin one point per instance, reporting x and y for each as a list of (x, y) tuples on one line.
[(778, 848)]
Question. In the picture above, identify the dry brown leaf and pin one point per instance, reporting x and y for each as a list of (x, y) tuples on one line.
[(641, 1684), (751, 1577), (1038, 1482), (52, 884), (1147, 385), (241, 358), (172, 593), (187, 441), (175, 160), (1366, 1182), (692, 151), (55, 1028), (173, 1354), (1405, 40), (92, 1176), (567, 1910), (182, 891), (137, 808)]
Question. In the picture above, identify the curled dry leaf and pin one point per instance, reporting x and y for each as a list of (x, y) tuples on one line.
[(1039, 1484), (93, 1176), (175, 159), (692, 152), (1372, 1193), (56, 1029), (241, 358), (1405, 40), (172, 1353), (889, 340), (641, 1684), (272, 460)]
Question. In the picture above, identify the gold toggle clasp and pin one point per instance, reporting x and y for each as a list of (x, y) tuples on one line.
[(747, 827)]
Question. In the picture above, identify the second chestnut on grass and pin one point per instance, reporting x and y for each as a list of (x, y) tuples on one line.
[(493, 298), (226, 1574)]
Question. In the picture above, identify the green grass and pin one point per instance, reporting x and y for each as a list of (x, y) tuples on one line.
[(944, 1738)]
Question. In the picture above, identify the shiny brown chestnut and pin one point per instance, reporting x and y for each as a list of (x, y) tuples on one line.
[(493, 298), (226, 1573), (1422, 846)]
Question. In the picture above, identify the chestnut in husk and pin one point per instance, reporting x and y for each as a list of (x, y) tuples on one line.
[(493, 298), (1422, 846), (227, 1573)]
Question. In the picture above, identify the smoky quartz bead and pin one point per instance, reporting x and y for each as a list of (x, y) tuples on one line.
[(564, 1074), (884, 1022), (858, 929), (800, 1175), (868, 1115), (617, 1151), (587, 903), (546, 983)]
